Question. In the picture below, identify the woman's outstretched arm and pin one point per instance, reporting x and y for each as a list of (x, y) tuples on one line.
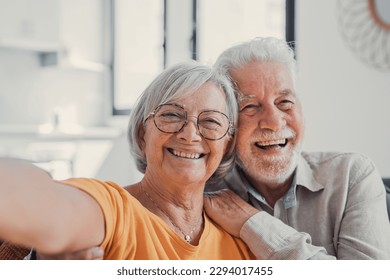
[(38, 212)]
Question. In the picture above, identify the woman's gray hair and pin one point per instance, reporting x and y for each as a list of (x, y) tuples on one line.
[(265, 49), (175, 82)]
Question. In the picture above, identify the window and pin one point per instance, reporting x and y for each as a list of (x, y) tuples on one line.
[(138, 49), (152, 34), (222, 23)]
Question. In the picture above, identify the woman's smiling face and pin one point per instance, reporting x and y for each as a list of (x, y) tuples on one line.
[(186, 156)]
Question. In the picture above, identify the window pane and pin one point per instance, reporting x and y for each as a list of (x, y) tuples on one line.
[(139, 57), (222, 23)]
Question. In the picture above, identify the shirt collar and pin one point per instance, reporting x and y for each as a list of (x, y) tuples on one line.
[(238, 183), (290, 198), (303, 176)]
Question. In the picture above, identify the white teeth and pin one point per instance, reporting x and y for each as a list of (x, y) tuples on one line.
[(272, 142), (185, 155)]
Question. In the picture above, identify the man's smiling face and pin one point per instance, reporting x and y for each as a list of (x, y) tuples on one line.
[(271, 126)]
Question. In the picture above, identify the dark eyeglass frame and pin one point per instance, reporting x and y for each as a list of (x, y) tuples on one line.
[(230, 129)]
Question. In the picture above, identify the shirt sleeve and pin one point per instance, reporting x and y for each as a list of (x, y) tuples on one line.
[(269, 238), (111, 199), (364, 232)]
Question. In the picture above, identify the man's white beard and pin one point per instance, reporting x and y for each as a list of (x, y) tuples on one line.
[(271, 169)]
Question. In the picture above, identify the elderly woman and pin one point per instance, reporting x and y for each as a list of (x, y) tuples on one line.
[(181, 134)]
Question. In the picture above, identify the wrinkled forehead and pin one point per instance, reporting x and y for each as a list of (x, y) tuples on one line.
[(242, 97), (262, 75)]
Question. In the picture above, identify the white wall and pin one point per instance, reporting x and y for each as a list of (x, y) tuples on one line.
[(346, 102), (29, 91), (119, 165)]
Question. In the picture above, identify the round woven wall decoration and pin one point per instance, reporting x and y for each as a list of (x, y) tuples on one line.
[(365, 26)]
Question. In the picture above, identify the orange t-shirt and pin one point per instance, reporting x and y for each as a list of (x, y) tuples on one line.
[(133, 232)]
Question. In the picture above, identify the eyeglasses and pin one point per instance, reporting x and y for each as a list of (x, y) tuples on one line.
[(171, 118)]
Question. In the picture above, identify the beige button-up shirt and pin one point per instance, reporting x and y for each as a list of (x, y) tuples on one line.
[(335, 209)]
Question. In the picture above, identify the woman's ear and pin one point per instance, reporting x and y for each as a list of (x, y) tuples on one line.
[(141, 138)]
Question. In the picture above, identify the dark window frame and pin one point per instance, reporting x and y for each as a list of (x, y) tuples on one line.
[(290, 22)]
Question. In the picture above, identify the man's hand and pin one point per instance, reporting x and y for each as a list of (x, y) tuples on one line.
[(228, 210), (94, 253)]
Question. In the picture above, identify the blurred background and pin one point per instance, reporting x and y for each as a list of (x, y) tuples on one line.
[(70, 72)]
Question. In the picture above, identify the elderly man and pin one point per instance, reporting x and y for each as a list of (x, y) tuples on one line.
[(310, 205)]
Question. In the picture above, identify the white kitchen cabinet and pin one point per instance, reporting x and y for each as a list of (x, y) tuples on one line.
[(64, 33)]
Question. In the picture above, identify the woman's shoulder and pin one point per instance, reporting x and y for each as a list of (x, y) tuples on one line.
[(85, 183), (101, 190)]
